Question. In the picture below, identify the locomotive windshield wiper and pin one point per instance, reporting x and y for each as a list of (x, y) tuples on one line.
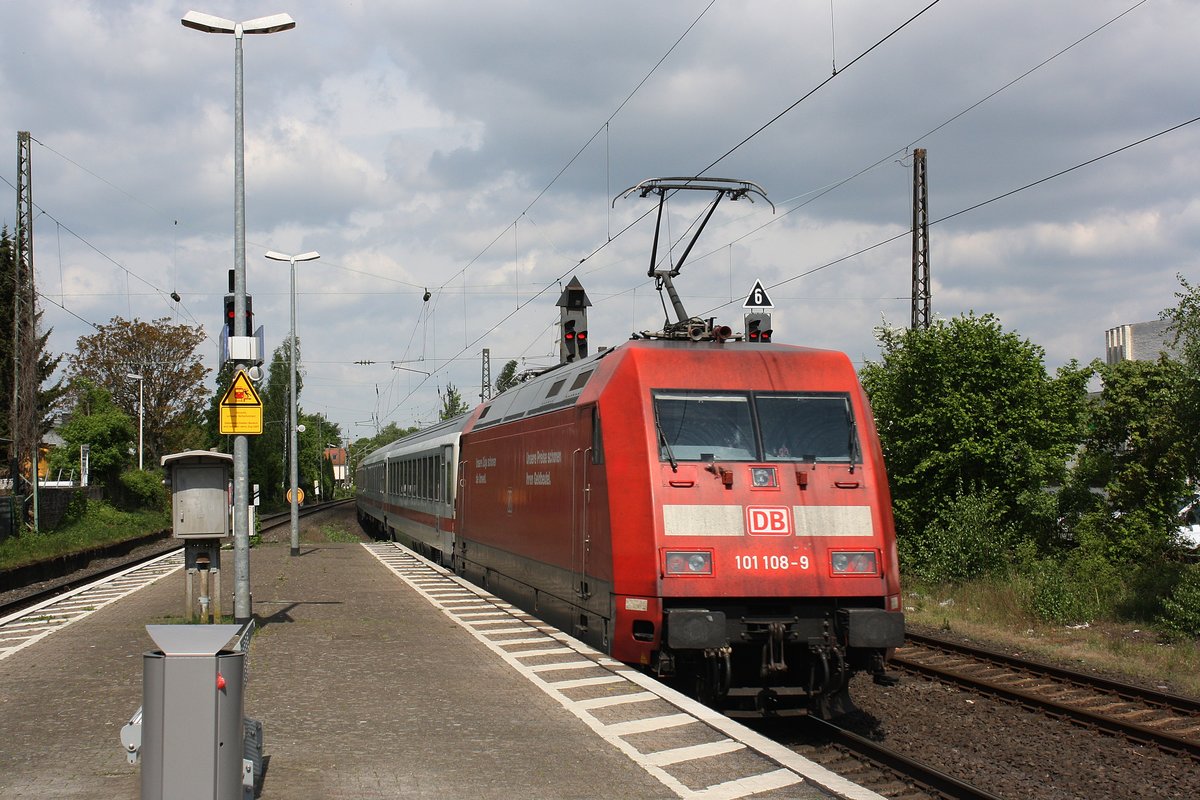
[(662, 438), (851, 428)]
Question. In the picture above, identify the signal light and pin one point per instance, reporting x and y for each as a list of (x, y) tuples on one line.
[(569, 340), (581, 343), (758, 328), (230, 328)]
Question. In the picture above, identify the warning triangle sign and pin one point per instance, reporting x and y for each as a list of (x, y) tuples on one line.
[(241, 408), (241, 392)]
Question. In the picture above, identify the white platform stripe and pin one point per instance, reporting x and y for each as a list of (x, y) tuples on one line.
[(556, 667), (616, 700), (651, 724), (787, 769), (35, 623), (545, 651), (678, 755)]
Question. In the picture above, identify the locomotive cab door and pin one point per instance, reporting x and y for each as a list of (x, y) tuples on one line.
[(581, 459)]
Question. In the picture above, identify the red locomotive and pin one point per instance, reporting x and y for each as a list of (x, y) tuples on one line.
[(711, 508)]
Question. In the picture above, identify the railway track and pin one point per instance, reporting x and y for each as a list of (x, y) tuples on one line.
[(1169, 722), (883, 769)]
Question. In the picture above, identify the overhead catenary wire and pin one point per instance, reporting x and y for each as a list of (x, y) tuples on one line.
[(611, 238), (981, 204), (159, 291)]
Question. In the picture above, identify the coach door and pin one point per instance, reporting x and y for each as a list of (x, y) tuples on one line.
[(581, 460)]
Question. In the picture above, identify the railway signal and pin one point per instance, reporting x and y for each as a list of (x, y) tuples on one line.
[(758, 328), (569, 341), (573, 317), (230, 316)]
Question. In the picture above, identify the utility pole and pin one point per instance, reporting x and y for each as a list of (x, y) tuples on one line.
[(24, 422), (920, 243), (486, 393)]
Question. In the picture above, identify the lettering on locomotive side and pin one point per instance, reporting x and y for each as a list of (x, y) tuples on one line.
[(768, 521), (537, 478), (485, 462), (543, 457)]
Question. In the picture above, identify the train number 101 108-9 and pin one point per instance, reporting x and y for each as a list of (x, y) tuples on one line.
[(771, 562)]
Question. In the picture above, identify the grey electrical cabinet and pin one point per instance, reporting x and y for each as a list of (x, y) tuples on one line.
[(192, 714), (199, 481)]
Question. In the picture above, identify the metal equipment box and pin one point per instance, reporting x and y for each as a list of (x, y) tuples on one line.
[(192, 718), (199, 481)]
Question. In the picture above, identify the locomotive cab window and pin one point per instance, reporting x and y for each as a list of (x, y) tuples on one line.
[(807, 427), (703, 426), (692, 425)]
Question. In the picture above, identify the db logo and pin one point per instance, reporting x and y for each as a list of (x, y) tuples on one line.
[(768, 521)]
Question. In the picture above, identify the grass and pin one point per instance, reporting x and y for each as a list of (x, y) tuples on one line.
[(101, 524), (993, 613), (337, 533)]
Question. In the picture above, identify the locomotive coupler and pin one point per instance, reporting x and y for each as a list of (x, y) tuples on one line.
[(773, 660)]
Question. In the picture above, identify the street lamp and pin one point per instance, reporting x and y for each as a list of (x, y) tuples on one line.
[(292, 466), (141, 412), (208, 23)]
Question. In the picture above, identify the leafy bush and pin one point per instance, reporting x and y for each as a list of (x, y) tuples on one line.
[(1076, 587), (143, 489), (1180, 617), (101, 524), (967, 539), (77, 507)]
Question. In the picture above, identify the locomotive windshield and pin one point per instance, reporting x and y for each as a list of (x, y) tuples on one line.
[(707, 426)]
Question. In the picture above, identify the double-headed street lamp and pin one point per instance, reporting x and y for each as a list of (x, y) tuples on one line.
[(294, 501), (141, 412), (241, 485)]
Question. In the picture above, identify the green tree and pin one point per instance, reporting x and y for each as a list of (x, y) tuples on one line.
[(508, 377), (173, 377), (966, 409), (369, 444), (107, 431), (268, 452), (49, 395), (452, 403), (1137, 454), (1185, 322), (319, 431)]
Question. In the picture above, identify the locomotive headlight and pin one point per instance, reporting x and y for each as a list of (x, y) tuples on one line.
[(858, 562), (688, 562)]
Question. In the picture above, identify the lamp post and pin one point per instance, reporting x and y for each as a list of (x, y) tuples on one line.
[(141, 412), (293, 468), (208, 23)]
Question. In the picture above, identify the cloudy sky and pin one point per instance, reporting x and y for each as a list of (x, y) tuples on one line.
[(474, 149)]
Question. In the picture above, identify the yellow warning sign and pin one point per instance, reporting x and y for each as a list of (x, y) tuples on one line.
[(241, 408)]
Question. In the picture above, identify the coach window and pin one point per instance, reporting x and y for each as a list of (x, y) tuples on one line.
[(704, 426), (807, 427)]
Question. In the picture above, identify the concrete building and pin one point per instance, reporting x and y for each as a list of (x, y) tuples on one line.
[(1139, 341)]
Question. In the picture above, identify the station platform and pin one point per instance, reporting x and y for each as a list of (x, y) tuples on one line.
[(378, 675)]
